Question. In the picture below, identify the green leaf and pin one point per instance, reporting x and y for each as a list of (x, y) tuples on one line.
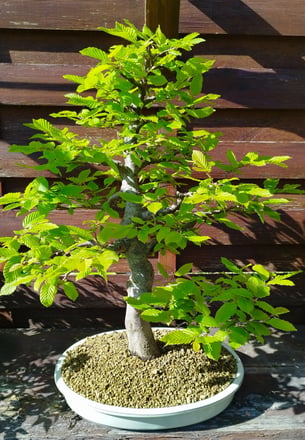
[(157, 80), (262, 271), (10, 198), (70, 290), (265, 306), (47, 293), (232, 158), (230, 265), (244, 304), (257, 328), (198, 239), (225, 312), (196, 85), (131, 197), (281, 324), (212, 350), (179, 337), (258, 287), (154, 315), (33, 218), (201, 162), (281, 280), (154, 207), (183, 270), (94, 52), (8, 288), (162, 270), (238, 336)]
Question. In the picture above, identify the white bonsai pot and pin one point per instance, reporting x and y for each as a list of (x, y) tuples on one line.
[(148, 418)]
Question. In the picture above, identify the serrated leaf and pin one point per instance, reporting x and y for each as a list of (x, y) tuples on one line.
[(179, 337), (32, 218), (10, 198), (30, 241), (201, 162), (47, 293), (8, 289), (94, 52), (258, 328), (70, 290)]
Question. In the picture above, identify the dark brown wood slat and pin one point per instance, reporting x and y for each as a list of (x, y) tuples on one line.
[(290, 230), (36, 84), (239, 88), (234, 51), (58, 14), (263, 125), (294, 170), (17, 165), (274, 257), (234, 17), (257, 88), (247, 17), (50, 47), (274, 127), (102, 304), (253, 52)]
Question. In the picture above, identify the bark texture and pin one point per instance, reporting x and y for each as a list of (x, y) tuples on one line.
[(141, 341)]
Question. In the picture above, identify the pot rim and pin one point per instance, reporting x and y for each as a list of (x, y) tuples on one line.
[(127, 411)]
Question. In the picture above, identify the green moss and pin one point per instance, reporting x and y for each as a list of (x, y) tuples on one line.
[(101, 369)]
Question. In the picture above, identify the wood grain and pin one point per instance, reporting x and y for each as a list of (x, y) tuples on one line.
[(211, 16)]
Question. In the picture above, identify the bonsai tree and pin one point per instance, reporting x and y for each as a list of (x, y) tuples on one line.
[(145, 198)]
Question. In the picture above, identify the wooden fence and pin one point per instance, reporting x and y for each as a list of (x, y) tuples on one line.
[(259, 48)]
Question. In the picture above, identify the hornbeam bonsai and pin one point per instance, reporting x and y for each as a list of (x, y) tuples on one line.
[(149, 187)]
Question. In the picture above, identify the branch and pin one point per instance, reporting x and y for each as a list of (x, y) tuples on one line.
[(175, 206)]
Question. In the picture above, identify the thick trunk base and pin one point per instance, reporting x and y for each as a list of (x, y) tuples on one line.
[(141, 341)]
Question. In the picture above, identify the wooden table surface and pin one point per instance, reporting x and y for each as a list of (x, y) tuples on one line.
[(269, 405)]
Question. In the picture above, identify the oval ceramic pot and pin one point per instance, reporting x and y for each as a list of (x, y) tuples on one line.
[(148, 418)]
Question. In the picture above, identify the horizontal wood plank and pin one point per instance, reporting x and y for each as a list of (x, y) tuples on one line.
[(246, 17), (17, 165), (234, 17), (236, 125), (229, 51), (57, 14), (274, 257), (290, 230), (239, 88)]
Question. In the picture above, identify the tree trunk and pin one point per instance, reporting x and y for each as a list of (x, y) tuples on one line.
[(141, 341)]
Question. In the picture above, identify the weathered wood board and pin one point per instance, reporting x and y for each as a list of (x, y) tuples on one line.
[(269, 405)]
